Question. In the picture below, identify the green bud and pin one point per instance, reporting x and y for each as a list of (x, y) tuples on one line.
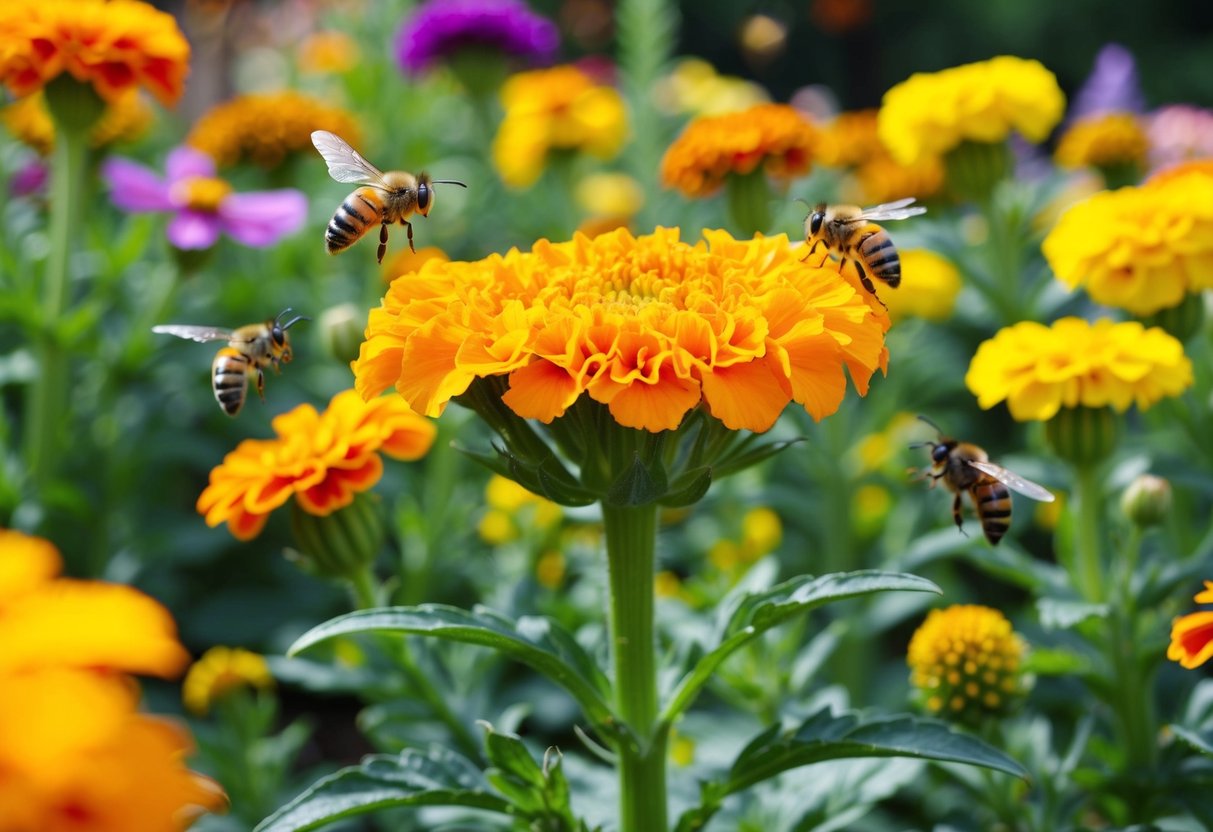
[(1146, 501), (975, 168), (1183, 320), (341, 331), (341, 544), (1083, 435)]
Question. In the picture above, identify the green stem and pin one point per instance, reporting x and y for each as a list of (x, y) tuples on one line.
[(1006, 262), (364, 588), (47, 409), (1088, 565), (631, 536)]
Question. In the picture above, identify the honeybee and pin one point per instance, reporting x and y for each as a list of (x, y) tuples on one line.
[(850, 232), (384, 198), (250, 349), (964, 467)]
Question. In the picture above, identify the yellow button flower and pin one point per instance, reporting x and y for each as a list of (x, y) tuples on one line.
[(1040, 369), (1140, 249), (220, 670), (965, 662), (931, 113), (649, 327), (113, 46), (775, 137), (929, 286)]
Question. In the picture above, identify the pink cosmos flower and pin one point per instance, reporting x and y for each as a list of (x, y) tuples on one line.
[(202, 204)]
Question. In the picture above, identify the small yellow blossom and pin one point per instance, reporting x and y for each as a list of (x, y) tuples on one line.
[(496, 527), (929, 286), (725, 555), (323, 53), (682, 749), (761, 531), (550, 569), (1040, 369), (222, 669), (667, 585), (694, 87), (610, 195), (871, 505), (965, 662), (931, 113), (1103, 141)]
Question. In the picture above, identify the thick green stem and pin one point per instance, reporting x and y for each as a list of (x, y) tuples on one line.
[(1088, 566), (47, 408), (1006, 261), (631, 535)]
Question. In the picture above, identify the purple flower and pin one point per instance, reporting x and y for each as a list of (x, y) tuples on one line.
[(203, 205), (439, 28), (29, 179), (1112, 86)]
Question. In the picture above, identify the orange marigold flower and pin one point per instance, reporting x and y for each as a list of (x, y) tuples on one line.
[(265, 128), (1194, 167), (1103, 140), (114, 46), (851, 141), (775, 136), (322, 459), (649, 326), (1192, 634), (125, 119)]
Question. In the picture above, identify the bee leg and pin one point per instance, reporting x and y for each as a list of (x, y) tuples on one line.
[(408, 225), (816, 243), (261, 384), (957, 516), (382, 241), (866, 281)]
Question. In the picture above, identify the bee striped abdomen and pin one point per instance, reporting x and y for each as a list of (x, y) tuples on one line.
[(229, 379), (993, 502), (361, 209), (877, 251)]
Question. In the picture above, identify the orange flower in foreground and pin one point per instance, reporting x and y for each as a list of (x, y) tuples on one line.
[(650, 326), (114, 46), (1192, 634), (322, 459), (775, 136), (75, 753)]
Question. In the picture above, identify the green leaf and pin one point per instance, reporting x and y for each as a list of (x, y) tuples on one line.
[(1055, 661), (1066, 613), (754, 614), (688, 488), (1202, 741), (435, 777), (638, 485), (537, 642), (733, 463), (825, 736), (538, 793)]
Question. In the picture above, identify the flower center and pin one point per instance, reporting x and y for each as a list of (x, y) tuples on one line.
[(202, 193)]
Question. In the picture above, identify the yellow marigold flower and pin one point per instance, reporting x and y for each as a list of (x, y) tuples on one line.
[(265, 128), (849, 140), (610, 195), (931, 113), (114, 46), (929, 286), (761, 531), (220, 670), (774, 136), (327, 52), (649, 326), (1101, 141), (126, 118), (555, 109), (321, 459), (1141, 249), (965, 662), (695, 87), (1192, 634), (1040, 369)]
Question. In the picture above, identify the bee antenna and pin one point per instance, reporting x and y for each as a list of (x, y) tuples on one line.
[(938, 429), (927, 444), (278, 318), (294, 321), (447, 182), (804, 202)]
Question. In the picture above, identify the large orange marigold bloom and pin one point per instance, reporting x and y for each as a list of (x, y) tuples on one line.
[(114, 46), (649, 326), (775, 136), (321, 459), (1192, 634)]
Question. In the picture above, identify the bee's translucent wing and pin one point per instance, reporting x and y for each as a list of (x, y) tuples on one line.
[(1013, 481), (345, 163), (202, 334), (898, 210)]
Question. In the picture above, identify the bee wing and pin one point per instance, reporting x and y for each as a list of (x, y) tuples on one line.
[(345, 163), (201, 334), (898, 210), (1013, 481)]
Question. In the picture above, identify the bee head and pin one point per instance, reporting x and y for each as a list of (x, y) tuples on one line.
[(816, 218), (425, 194), (282, 341)]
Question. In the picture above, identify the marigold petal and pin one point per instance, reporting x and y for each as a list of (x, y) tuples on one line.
[(747, 396), (26, 562), (542, 391), (1192, 639), (337, 490)]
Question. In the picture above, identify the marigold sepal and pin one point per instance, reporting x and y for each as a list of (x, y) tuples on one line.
[(749, 200), (974, 169), (1184, 320), (342, 544), (74, 106), (1083, 435)]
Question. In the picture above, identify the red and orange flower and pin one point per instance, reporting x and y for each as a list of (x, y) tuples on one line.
[(1192, 634), (321, 459), (651, 327)]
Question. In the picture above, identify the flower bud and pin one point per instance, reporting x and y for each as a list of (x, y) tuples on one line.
[(341, 328), (1083, 435), (1147, 500), (974, 168), (341, 544), (1183, 320)]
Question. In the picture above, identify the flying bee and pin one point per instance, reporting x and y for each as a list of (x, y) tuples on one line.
[(384, 198), (851, 233), (965, 468), (250, 349)]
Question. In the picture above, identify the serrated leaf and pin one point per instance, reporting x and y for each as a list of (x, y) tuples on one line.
[(688, 488), (431, 778), (1065, 613), (638, 485), (537, 642), (825, 736), (756, 613), (507, 753), (1202, 741)]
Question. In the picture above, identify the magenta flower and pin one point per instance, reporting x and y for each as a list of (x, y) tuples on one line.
[(438, 28), (202, 204), (29, 179)]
